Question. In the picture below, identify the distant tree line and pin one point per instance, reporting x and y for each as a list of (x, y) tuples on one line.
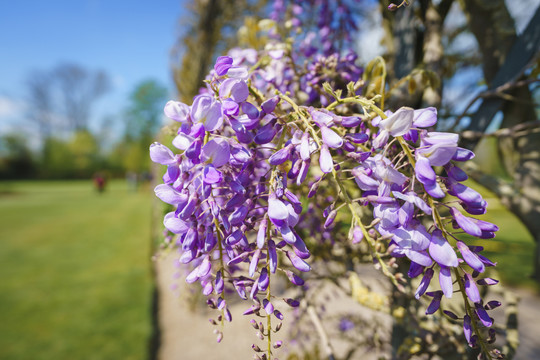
[(61, 103)]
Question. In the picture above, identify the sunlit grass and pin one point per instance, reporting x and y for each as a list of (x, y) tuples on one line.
[(513, 247), (75, 271)]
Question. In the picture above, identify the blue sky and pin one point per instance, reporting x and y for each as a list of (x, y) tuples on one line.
[(130, 40)]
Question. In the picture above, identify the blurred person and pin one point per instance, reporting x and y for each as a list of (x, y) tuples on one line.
[(100, 182)]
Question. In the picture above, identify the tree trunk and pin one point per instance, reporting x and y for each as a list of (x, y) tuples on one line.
[(433, 51), (494, 29)]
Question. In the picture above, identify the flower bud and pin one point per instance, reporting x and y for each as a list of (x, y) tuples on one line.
[(292, 302), (254, 262), (493, 304), (470, 258), (269, 105), (435, 303), (424, 283), (223, 63), (268, 307), (351, 121), (483, 315), (280, 156), (330, 219), (450, 314), (467, 330), (471, 290), (264, 280), (295, 279), (297, 262), (358, 235)]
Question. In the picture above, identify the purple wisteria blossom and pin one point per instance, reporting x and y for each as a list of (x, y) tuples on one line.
[(245, 202)]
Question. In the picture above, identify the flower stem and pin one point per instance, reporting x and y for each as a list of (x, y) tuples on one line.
[(222, 265), (268, 316)]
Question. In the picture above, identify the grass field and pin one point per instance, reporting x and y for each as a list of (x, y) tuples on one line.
[(513, 246), (75, 269)]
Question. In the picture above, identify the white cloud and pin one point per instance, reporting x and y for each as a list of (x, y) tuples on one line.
[(11, 114), (522, 11), (118, 81), (369, 35), (10, 108)]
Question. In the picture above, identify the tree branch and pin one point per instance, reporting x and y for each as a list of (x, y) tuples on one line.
[(497, 92)]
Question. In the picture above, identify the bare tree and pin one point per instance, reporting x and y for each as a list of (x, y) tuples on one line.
[(40, 98), (79, 88), (62, 98)]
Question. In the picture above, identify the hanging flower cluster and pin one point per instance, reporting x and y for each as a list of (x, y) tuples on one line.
[(333, 22), (251, 145)]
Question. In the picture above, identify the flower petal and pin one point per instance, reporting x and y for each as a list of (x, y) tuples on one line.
[(425, 117), (168, 195), (399, 122), (216, 151), (277, 209), (441, 251), (330, 138), (325, 160), (177, 111), (424, 171), (445, 280), (470, 258), (161, 154), (471, 290)]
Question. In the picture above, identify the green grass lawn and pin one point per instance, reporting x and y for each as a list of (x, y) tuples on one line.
[(513, 246), (75, 271)]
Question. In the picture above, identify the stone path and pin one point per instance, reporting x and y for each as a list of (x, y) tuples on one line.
[(187, 334), (529, 325)]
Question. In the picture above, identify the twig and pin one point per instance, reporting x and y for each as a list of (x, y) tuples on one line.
[(513, 131), (322, 333), (498, 91)]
